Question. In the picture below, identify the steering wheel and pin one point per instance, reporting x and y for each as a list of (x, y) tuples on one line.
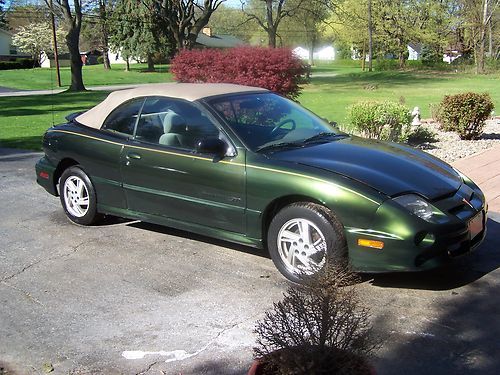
[(283, 123)]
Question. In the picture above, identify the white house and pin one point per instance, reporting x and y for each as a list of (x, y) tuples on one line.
[(6, 47), (414, 51), (324, 53), (48, 61)]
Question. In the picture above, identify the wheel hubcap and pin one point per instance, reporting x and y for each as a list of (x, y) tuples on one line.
[(76, 196), (301, 246)]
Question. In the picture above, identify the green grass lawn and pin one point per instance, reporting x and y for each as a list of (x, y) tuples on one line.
[(93, 75), (24, 119), (330, 97)]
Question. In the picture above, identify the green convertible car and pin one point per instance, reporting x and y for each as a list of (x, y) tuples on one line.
[(246, 165)]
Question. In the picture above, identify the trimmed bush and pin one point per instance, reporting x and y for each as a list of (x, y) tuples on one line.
[(276, 69), (465, 113), (388, 121), (19, 63)]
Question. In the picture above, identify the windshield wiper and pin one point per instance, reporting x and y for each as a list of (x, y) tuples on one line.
[(323, 135), (278, 145)]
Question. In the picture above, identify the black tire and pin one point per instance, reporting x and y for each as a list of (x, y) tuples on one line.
[(323, 222), (74, 187)]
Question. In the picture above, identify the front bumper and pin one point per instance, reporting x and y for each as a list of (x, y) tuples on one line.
[(412, 244)]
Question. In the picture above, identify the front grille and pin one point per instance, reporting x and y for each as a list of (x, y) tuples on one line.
[(460, 203)]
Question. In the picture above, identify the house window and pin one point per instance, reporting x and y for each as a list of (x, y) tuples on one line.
[(12, 50)]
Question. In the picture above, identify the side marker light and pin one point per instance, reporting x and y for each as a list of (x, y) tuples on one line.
[(371, 243)]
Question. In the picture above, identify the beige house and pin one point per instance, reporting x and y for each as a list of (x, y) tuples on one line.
[(6, 47)]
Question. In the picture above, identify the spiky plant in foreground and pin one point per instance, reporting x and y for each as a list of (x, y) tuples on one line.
[(319, 327)]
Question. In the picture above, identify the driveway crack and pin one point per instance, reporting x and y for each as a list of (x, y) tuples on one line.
[(73, 250)]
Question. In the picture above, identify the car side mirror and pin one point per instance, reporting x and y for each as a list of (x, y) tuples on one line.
[(213, 146)]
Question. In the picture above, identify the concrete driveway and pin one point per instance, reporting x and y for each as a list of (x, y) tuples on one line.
[(133, 298)]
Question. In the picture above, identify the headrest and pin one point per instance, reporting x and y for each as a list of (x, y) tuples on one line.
[(173, 123)]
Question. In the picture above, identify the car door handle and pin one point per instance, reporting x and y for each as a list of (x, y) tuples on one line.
[(133, 155)]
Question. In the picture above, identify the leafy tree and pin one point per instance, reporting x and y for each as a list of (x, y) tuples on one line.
[(231, 21), (478, 16), (309, 21), (268, 14), (23, 14), (184, 19), (134, 30), (36, 38), (3, 21), (95, 28)]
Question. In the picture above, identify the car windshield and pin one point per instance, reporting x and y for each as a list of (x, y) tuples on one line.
[(265, 121)]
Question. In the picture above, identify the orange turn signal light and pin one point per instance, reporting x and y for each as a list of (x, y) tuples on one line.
[(371, 243)]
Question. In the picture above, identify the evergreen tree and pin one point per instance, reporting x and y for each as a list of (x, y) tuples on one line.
[(134, 32), (3, 21)]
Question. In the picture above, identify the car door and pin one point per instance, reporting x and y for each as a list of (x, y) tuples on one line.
[(164, 176)]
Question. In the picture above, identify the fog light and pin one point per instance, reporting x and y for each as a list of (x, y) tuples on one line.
[(371, 243)]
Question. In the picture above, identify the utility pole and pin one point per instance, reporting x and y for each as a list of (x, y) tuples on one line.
[(54, 39)]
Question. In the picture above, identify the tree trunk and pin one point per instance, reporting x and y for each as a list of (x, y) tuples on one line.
[(271, 27), (105, 58), (105, 37), (482, 39), (271, 34), (370, 37), (402, 60), (151, 65), (490, 42), (363, 58), (75, 60), (127, 65)]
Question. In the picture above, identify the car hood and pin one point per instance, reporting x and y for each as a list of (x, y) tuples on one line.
[(390, 168)]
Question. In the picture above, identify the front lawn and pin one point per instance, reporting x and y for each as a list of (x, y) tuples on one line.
[(93, 75), (330, 96), (335, 87), (24, 119)]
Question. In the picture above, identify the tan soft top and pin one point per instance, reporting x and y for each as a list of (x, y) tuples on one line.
[(95, 116)]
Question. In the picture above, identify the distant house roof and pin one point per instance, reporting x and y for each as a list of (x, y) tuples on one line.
[(417, 47), (218, 41)]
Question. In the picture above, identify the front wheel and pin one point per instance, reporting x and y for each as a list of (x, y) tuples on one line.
[(78, 196), (302, 237)]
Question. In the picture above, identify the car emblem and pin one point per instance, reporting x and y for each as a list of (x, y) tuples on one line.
[(467, 203)]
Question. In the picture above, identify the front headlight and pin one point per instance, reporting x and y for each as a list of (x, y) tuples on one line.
[(421, 208)]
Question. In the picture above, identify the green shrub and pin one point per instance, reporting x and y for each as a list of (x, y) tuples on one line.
[(465, 113), (421, 135), (382, 64), (19, 63), (386, 120), (100, 59)]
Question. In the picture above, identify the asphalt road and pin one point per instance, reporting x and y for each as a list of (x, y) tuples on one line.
[(129, 297)]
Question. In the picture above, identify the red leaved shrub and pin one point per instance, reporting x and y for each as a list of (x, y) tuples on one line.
[(276, 69)]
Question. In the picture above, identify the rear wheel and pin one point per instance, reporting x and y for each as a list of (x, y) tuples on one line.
[(302, 237), (78, 196)]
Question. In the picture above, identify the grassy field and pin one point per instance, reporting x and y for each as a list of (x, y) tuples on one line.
[(24, 119), (93, 75), (332, 89), (330, 96)]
